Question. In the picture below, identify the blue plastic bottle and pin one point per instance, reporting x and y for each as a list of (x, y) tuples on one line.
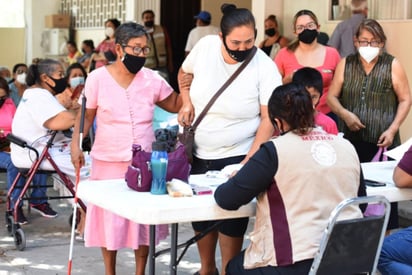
[(158, 164)]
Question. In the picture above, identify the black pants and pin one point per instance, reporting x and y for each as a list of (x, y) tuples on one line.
[(235, 267)]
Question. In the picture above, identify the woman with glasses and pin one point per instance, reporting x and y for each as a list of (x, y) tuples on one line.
[(121, 97), (305, 51), (370, 94)]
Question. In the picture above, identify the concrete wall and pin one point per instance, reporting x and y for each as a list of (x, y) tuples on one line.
[(12, 48)]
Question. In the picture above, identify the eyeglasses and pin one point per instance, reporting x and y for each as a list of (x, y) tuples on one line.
[(364, 43), (308, 26), (138, 50)]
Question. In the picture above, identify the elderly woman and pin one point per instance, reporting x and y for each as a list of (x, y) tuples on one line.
[(370, 93), (121, 97)]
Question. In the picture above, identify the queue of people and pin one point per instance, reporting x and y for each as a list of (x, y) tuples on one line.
[(301, 91)]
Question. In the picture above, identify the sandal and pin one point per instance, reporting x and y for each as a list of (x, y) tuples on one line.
[(216, 272)]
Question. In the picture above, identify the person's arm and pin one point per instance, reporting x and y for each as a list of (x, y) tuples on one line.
[(253, 178), (350, 119), (263, 133), (403, 94), (172, 103), (75, 150), (62, 121), (186, 112), (402, 175), (401, 178)]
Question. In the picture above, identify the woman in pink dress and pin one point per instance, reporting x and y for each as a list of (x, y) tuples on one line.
[(307, 52), (121, 97), (105, 51)]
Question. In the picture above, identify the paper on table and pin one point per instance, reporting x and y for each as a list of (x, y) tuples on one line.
[(398, 152)]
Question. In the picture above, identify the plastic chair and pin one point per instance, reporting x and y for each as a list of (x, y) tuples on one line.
[(351, 246), (13, 227)]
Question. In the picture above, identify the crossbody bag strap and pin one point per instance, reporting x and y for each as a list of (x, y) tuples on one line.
[(223, 88)]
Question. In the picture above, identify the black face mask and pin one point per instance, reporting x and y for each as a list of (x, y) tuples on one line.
[(59, 85), (133, 63), (270, 32), (308, 36), (238, 56), (2, 100), (149, 24)]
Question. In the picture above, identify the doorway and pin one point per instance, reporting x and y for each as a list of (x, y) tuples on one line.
[(177, 17)]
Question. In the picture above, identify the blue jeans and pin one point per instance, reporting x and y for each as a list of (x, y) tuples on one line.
[(12, 171), (396, 255)]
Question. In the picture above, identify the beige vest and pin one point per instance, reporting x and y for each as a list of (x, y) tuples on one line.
[(315, 173), (157, 58)]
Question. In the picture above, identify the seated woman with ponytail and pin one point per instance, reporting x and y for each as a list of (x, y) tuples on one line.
[(298, 178), (38, 114)]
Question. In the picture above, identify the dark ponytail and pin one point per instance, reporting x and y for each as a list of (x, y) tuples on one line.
[(32, 75)]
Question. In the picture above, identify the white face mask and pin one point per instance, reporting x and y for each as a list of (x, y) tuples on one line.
[(368, 53), (21, 78), (76, 81), (109, 31)]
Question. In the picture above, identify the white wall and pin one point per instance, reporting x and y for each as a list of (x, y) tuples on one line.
[(35, 11)]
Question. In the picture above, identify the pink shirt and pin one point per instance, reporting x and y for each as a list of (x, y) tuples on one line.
[(123, 116), (7, 112), (288, 64), (327, 124)]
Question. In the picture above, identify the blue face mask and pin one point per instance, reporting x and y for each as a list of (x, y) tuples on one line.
[(76, 81)]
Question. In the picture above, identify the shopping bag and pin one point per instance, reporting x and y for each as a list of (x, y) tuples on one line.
[(377, 209)]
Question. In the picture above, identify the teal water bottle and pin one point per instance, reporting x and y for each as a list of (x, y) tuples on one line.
[(158, 163)]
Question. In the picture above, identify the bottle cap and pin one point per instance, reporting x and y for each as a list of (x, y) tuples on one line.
[(159, 146)]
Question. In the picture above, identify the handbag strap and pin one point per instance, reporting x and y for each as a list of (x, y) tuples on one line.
[(223, 88)]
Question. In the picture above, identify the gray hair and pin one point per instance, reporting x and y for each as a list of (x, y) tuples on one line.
[(127, 31), (45, 66)]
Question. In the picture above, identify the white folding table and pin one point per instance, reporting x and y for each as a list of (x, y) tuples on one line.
[(145, 208)]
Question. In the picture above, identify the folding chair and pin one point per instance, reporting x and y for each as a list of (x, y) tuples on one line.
[(13, 227), (351, 246)]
